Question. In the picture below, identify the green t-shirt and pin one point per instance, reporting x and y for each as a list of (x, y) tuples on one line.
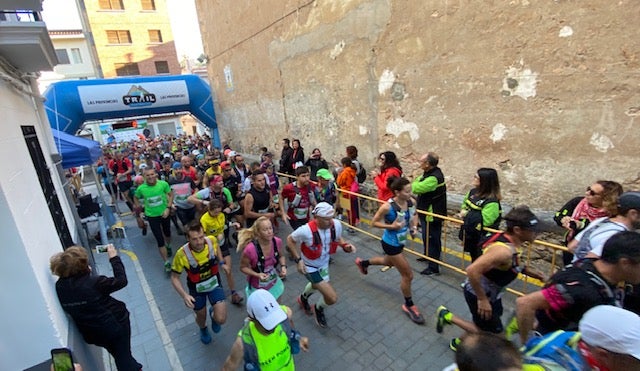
[(154, 197)]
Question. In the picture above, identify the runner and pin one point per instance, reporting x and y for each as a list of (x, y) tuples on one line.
[(394, 217), (317, 240)]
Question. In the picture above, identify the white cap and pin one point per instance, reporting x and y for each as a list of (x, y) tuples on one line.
[(195, 152), (264, 308), (142, 166), (232, 154), (167, 155), (323, 210), (614, 329)]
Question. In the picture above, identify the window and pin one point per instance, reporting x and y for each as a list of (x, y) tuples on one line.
[(127, 69), (148, 5), (162, 67), (155, 36), (62, 55), (76, 56), (118, 37), (111, 5)]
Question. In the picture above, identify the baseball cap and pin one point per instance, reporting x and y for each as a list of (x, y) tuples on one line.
[(614, 329), (323, 210), (263, 307), (226, 152), (167, 155), (176, 165), (629, 200), (225, 164), (195, 152), (232, 153), (142, 166), (324, 174)]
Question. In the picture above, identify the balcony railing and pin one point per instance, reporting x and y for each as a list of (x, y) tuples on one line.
[(25, 42)]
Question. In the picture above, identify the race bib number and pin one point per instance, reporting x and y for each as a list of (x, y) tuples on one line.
[(402, 237), (270, 281), (300, 213), (324, 273), (207, 285)]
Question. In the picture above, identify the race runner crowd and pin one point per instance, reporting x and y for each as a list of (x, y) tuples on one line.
[(584, 318)]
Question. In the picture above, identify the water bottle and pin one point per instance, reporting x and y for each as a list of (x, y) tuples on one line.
[(294, 341)]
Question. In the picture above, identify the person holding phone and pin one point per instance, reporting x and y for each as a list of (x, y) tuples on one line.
[(101, 319)]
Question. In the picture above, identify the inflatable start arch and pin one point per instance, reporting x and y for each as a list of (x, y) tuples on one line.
[(70, 103)]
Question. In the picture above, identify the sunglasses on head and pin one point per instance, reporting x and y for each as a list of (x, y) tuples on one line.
[(591, 192)]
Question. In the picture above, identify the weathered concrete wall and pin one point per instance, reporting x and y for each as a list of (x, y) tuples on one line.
[(548, 92)]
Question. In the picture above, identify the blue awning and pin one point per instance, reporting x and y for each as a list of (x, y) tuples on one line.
[(76, 151)]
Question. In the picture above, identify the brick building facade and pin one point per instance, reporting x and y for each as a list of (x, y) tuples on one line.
[(132, 37)]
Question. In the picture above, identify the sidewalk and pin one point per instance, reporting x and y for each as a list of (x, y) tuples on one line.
[(367, 328)]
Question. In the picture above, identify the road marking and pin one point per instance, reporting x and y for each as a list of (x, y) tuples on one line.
[(170, 350)]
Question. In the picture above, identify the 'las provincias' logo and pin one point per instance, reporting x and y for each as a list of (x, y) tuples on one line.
[(138, 97)]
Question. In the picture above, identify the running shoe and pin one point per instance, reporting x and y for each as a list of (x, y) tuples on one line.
[(236, 298), (385, 268), (215, 326), (205, 336), (320, 319), (304, 304), (167, 266), (413, 313), (453, 344), (441, 313), (362, 269), (512, 327)]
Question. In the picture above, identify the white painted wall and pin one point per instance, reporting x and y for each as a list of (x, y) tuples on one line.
[(30, 311)]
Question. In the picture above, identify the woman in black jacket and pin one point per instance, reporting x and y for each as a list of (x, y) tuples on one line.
[(315, 163), (101, 319)]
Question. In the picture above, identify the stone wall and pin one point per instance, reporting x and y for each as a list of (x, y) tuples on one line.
[(547, 92)]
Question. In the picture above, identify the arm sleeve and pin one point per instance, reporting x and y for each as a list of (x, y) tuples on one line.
[(428, 184), (227, 195)]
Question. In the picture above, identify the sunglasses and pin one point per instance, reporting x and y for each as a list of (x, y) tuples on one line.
[(591, 192)]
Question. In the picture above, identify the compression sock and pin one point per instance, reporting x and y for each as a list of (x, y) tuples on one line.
[(321, 304), (408, 302), (308, 290), (365, 263)]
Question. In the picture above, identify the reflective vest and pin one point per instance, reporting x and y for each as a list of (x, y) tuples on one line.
[(314, 251), (197, 273), (267, 352)]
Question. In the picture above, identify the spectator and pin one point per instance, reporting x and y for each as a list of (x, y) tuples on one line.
[(389, 167), (600, 200), (480, 208), (101, 319), (315, 163), (286, 158), (347, 181)]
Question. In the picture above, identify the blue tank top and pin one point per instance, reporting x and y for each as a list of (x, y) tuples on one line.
[(398, 237)]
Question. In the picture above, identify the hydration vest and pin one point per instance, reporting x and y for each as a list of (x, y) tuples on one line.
[(195, 271), (261, 258), (314, 251)]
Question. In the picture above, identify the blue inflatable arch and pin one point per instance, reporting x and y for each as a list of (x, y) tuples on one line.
[(70, 103)]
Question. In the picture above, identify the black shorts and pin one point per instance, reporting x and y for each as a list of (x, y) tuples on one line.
[(494, 324), (390, 249)]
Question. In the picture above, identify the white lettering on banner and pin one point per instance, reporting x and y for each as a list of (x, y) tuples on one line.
[(124, 97)]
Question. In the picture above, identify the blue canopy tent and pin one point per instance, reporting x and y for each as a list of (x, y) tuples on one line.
[(76, 151), (70, 103)]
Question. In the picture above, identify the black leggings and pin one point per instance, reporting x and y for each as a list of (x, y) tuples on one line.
[(160, 227)]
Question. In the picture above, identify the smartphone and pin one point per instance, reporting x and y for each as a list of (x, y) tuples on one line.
[(62, 359), (101, 248)]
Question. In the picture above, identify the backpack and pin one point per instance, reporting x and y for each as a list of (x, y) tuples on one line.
[(554, 351), (472, 221), (361, 174)]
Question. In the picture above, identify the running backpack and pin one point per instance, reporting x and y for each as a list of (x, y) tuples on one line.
[(554, 351)]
